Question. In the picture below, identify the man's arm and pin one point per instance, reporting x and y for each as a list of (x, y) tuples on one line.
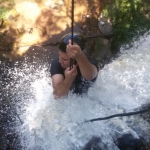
[(60, 84), (88, 70)]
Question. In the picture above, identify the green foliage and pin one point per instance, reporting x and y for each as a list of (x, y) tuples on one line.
[(129, 20), (4, 12), (5, 7), (10, 1)]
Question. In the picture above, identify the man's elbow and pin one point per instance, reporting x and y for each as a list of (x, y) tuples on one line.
[(58, 94), (91, 76)]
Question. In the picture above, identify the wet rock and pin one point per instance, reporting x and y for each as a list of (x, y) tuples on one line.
[(95, 144), (89, 24), (105, 25), (148, 15), (146, 116), (42, 31), (99, 48), (128, 142)]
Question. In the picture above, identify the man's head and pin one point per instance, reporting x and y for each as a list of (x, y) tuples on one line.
[(78, 38), (63, 57)]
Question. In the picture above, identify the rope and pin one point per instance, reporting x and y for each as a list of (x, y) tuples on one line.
[(72, 25), (119, 115)]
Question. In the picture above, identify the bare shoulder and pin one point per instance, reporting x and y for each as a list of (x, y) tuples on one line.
[(57, 79)]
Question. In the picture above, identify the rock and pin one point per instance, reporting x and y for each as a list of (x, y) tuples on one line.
[(104, 25), (148, 15), (128, 142), (95, 144), (100, 49)]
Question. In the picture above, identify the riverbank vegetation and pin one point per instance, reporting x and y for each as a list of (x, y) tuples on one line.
[(5, 8), (130, 19)]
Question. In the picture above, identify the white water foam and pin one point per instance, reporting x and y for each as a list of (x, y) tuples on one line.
[(121, 86)]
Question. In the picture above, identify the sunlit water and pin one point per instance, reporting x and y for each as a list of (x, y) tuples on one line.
[(49, 124)]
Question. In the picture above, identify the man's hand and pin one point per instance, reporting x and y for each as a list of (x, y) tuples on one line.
[(88, 70), (70, 74), (73, 51), (61, 86)]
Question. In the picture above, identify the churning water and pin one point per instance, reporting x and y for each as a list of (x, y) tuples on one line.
[(49, 124)]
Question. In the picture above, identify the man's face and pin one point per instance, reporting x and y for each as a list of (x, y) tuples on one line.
[(64, 60)]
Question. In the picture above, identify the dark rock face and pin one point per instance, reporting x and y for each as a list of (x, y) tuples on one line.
[(95, 144), (128, 142), (147, 115), (125, 142), (8, 135)]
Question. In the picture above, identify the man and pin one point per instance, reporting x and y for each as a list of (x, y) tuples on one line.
[(78, 77)]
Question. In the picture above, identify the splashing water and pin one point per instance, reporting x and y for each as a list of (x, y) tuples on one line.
[(50, 124)]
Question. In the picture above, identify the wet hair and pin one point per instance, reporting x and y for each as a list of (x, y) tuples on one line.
[(78, 38)]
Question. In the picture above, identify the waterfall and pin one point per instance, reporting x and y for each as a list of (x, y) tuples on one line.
[(48, 124)]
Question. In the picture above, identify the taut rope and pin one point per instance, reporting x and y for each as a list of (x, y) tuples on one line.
[(119, 115), (72, 25)]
